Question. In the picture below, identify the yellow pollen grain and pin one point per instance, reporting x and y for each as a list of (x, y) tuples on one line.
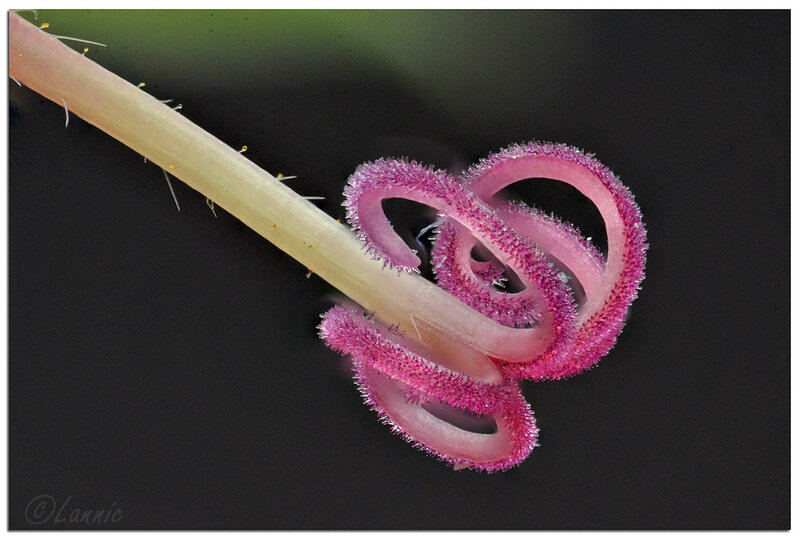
[(171, 165), (45, 25)]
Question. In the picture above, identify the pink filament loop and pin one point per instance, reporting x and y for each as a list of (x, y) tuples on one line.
[(610, 285), (397, 378)]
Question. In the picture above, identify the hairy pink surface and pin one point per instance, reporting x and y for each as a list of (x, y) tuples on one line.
[(401, 380)]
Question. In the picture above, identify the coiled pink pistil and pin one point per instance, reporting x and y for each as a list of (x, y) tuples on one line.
[(467, 422)]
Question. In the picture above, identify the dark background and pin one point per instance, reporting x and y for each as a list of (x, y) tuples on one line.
[(167, 363)]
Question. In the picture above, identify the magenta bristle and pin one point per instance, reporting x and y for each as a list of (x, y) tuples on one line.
[(489, 272)]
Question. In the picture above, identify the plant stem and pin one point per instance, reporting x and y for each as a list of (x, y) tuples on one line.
[(328, 248)]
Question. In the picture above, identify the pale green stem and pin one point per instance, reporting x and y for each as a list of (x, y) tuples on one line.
[(326, 247)]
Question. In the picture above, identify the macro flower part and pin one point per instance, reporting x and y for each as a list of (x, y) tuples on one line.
[(572, 306)]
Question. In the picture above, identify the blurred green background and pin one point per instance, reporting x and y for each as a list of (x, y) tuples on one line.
[(475, 65)]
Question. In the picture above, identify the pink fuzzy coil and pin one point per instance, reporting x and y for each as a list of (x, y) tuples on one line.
[(436, 408)]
